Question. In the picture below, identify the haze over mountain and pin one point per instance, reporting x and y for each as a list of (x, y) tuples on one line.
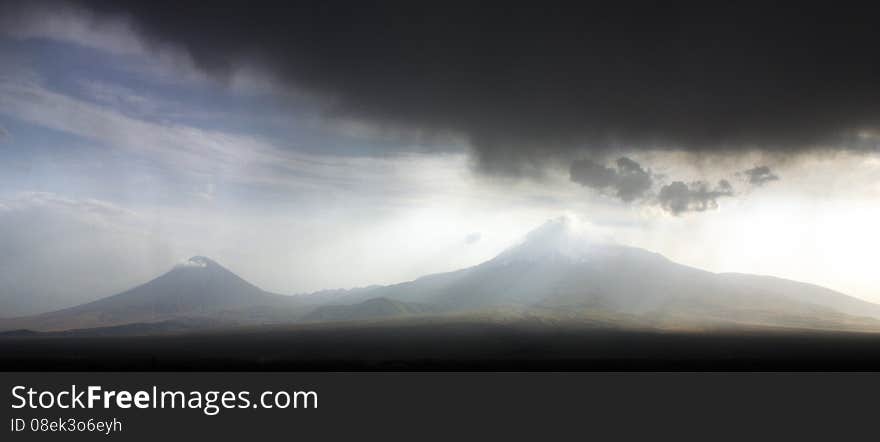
[(557, 273)]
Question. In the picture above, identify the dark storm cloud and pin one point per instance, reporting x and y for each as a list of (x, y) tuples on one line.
[(527, 83), (759, 175), (678, 197), (629, 181)]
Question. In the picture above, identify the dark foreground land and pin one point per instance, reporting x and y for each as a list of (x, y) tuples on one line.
[(437, 347)]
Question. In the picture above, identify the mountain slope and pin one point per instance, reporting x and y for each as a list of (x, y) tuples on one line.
[(374, 308), (807, 292)]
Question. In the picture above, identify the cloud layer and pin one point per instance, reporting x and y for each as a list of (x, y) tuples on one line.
[(528, 83)]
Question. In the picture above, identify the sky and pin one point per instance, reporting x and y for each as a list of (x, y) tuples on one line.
[(335, 148)]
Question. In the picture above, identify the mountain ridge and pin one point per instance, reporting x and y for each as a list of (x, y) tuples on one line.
[(557, 270)]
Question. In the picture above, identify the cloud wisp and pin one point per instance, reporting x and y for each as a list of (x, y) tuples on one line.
[(759, 175), (473, 238)]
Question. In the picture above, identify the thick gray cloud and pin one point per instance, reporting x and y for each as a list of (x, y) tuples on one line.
[(529, 82), (679, 197), (759, 175), (629, 181), (4, 134)]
